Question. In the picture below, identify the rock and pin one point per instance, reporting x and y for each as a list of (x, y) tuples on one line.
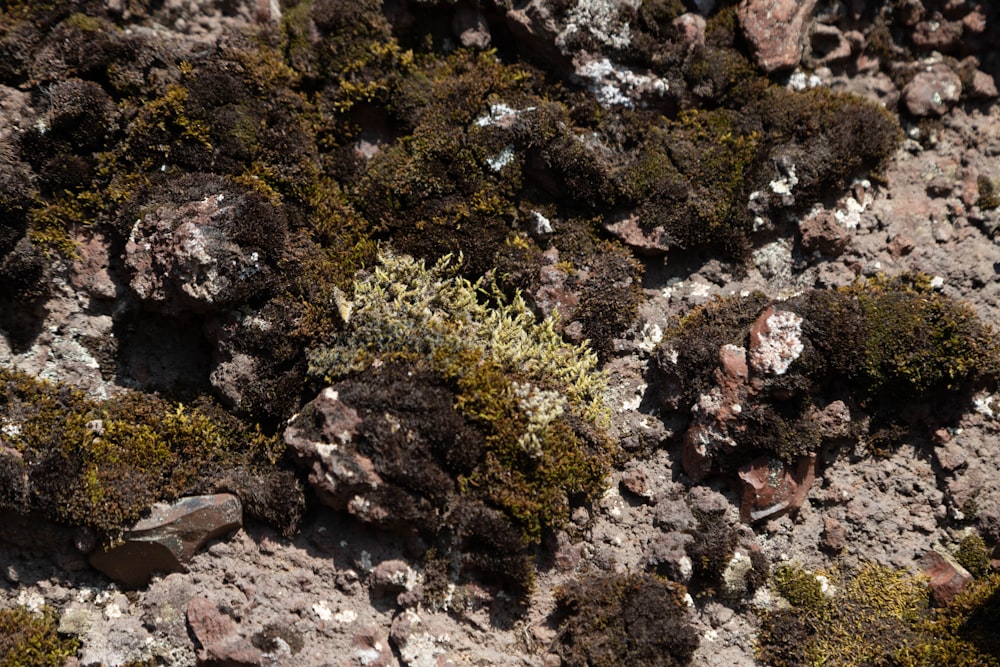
[(644, 241), (395, 577), (168, 537), (951, 455), (947, 577), (834, 536), (420, 643), (984, 86), (823, 234), (371, 647), (932, 92), (668, 554), (318, 436), (775, 30), (943, 36), (471, 28), (217, 633), (901, 245), (706, 502), (690, 29), (828, 45), (634, 481), (673, 514), (775, 341), (190, 254), (552, 293), (772, 488)]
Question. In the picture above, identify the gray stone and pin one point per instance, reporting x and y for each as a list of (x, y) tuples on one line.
[(168, 537)]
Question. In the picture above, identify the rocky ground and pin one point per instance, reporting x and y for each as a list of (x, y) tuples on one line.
[(340, 593)]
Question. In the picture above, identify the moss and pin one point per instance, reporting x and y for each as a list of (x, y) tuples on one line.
[(989, 198), (876, 616), (503, 366), (30, 638), (857, 342), (101, 463), (974, 555), (637, 619)]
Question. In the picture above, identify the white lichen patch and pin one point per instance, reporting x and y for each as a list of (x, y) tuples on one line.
[(322, 610), (983, 404), (779, 345), (504, 158), (601, 20), (615, 85), (800, 81), (650, 337), (500, 114)]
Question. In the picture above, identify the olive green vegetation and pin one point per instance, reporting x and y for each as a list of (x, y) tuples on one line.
[(974, 555), (29, 639), (880, 345), (876, 616), (636, 619), (102, 463)]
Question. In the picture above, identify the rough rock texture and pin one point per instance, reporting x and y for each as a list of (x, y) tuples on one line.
[(776, 31), (113, 316), (169, 537)]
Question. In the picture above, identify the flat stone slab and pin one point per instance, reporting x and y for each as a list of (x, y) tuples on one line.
[(168, 538)]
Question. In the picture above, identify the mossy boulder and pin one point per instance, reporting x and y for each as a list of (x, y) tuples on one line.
[(100, 464), (850, 363), (461, 419)]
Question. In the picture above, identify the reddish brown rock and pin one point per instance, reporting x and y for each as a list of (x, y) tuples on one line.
[(947, 577), (834, 536), (984, 86), (771, 488), (169, 537), (634, 480), (901, 245), (371, 647), (775, 30), (217, 633), (933, 92), (690, 29), (823, 234)]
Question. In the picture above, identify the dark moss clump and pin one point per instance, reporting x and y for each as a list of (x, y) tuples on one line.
[(876, 616), (101, 463), (611, 620), (30, 638), (482, 423), (974, 555), (882, 348)]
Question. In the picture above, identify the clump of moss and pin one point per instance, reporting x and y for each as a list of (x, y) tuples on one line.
[(638, 619), (989, 198), (30, 638), (974, 555), (537, 398), (856, 343), (102, 463), (876, 616), (478, 417)]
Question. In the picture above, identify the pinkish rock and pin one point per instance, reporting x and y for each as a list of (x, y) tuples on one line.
[(772, 488), (634, 480), (828, 44), (933, 92), (371, 647), (470, 26), (775, 341), (420, 641), (775, 30), (393, 577), (984, 86), (195, 252), (901, 245), (823, 234), (947, 577), (733, 361), (168, 538), (320, 437), (943, 36), (219, 638), (690, 29), (552, 294), (644, 241), (834, 536)]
